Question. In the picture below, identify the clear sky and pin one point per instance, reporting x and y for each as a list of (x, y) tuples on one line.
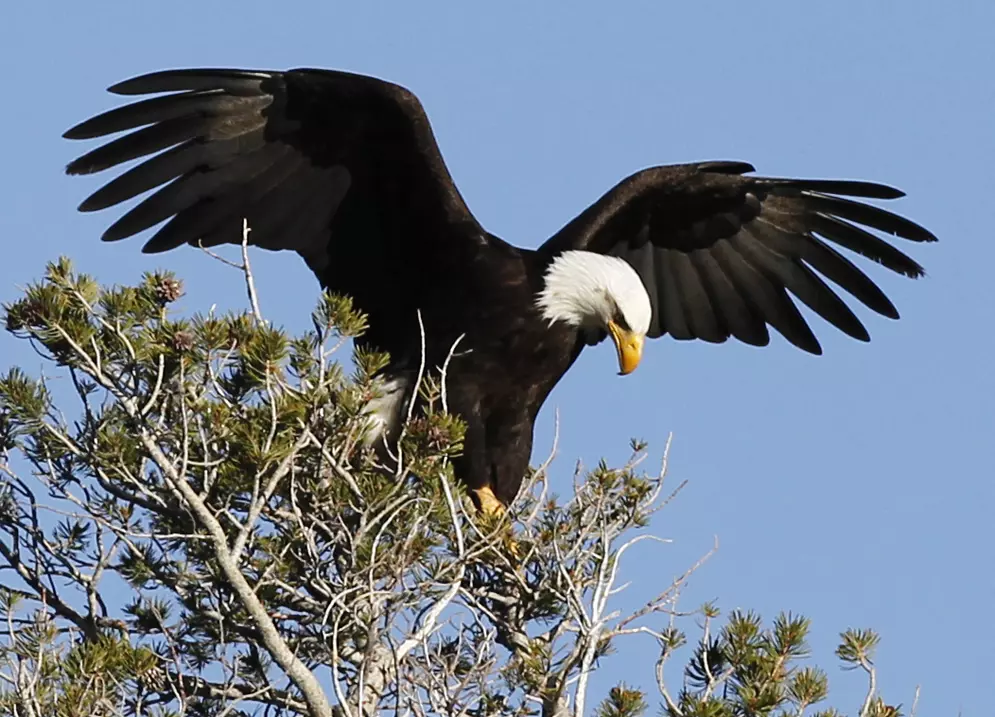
[(856, 487)]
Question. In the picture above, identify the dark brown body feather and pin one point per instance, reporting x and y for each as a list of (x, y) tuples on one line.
[(344, 170)]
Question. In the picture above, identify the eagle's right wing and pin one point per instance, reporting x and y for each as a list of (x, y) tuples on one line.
[(284, 150)]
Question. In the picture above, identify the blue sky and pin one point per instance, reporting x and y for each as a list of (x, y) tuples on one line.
[(855, 487)]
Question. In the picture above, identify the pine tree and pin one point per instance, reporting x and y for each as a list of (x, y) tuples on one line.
[(190, 524)]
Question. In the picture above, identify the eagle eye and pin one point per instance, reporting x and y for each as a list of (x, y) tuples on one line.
[(619, 318)]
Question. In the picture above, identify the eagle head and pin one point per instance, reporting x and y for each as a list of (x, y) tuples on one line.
[(601, 296)]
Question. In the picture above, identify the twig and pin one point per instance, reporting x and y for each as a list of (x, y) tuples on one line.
[(445, 371), (245, 267), (250, 285), (872, 685), (414, 398)]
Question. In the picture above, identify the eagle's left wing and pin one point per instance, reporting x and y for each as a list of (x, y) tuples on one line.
[(718, 252)]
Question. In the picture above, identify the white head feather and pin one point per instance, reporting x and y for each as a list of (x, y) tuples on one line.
[(587, 290)]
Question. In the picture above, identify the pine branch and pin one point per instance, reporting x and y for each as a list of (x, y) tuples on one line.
[(218, 471)]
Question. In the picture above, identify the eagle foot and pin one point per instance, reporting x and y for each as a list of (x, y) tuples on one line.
[(493, 509), (489, 503)]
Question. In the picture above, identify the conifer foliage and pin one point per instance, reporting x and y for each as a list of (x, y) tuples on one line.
[(191, 524)]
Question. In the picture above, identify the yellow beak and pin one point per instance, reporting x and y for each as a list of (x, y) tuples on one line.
[(629, 346)]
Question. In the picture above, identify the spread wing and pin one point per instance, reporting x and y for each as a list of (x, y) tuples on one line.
[(720, 252), (292, 152)]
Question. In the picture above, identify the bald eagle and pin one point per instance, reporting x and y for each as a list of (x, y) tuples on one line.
[(344, 169)]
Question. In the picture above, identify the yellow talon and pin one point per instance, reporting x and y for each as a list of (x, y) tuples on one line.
[(493, 508), (511, 545), (489, 503)]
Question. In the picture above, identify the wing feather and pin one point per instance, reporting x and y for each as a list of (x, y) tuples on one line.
[(866, 214), (642, 257), (215, 209), (695, 302), (232, 81), (186, 191), (799, 280), (207, 103), (140, 143), (671, 318), (769, 298), (736, 314), (864, 243)]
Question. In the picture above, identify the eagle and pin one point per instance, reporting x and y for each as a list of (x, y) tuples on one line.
[(344, 169)]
